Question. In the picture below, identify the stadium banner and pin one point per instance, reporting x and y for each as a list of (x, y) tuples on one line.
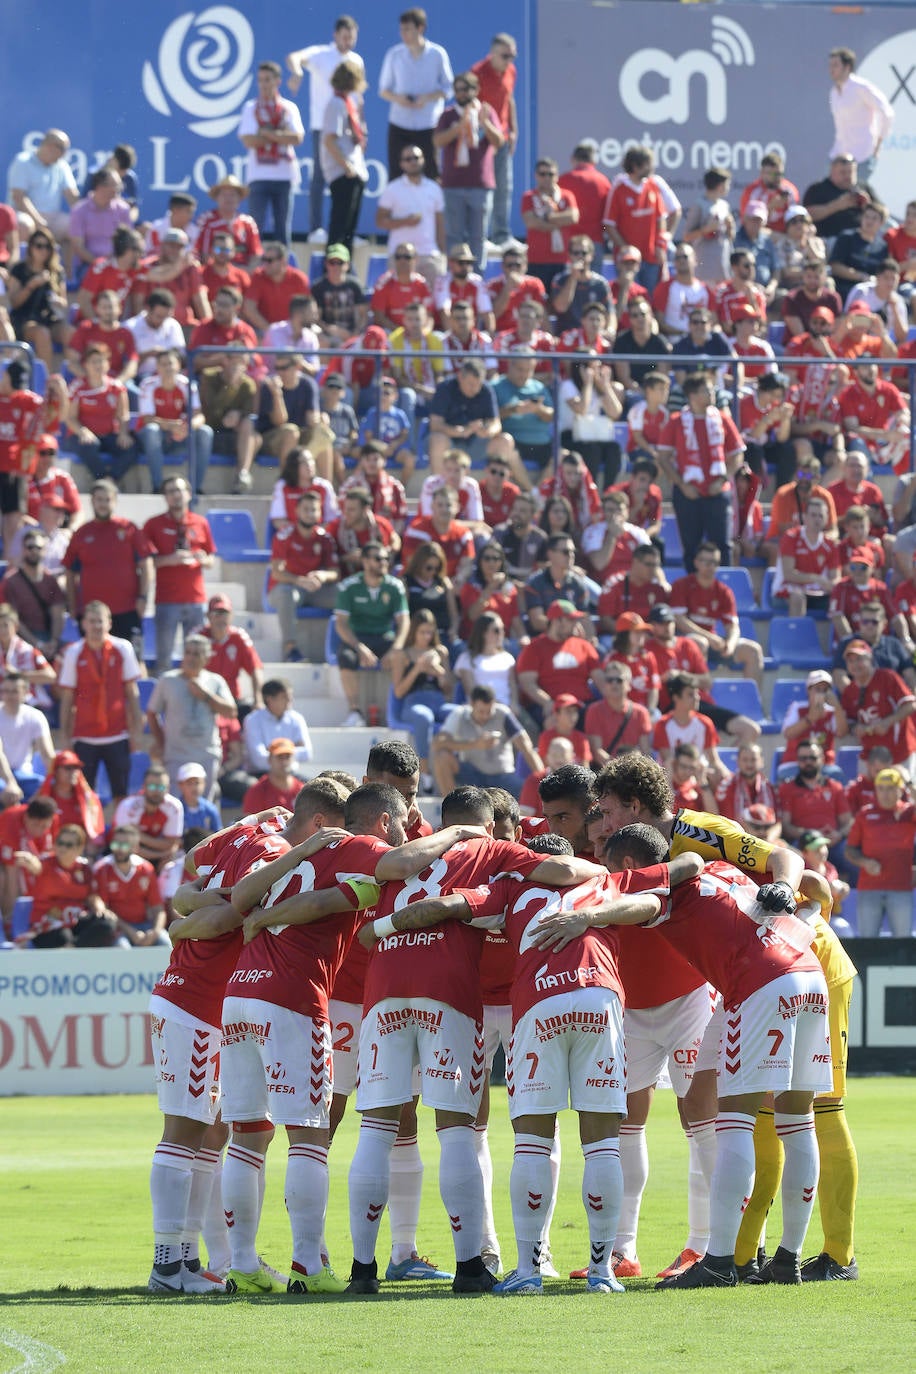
[(882, 1029), (171, 79), (719, 85), (75, 1021)]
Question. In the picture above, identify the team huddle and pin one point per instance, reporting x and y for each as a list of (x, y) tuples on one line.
[(348, 947)]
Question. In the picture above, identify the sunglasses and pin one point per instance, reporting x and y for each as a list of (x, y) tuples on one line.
[(411, 158), (615, 681), (67, 844), (273, 257), (404, 257)]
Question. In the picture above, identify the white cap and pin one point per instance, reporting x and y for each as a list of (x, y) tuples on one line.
[(190, 770), (811, 681)]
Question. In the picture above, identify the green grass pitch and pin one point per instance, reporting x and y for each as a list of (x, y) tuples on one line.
[(75, 1255)]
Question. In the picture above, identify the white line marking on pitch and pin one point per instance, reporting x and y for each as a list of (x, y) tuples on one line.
[(37, 1358)]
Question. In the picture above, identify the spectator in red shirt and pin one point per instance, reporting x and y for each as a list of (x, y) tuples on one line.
[(272, 288), (562, 723), (690, 780), (560, 661), (880, 845), (617, 723), (808, 566), (629, 647), (182, 545), (774, 189), (397, 289), (591, 190), (550, 215), (105, 328), (765, 416), (857, 536), (879, 705), (851, 594), (225, 329), (747, 787), (109, 560), (497, 492), (812, 801), (443, 528), (232, 652), (127, 886), (117, 273), (27, 830), (739, 290), (635, 214), (279, 786), (357, 526), (700, 603), (47, 479), (645, 496), (814, 293), (23, 417), (515, 286), (490, 588), (219, 270), (76, 802), (176, 268), (388, 495), (61, 894), (820, 720), (226, 220), (304, 571), (854, 489), (99, 418), (876, 418), (640, 588)]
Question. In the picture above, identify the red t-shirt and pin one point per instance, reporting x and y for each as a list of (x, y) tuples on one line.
[(644, 677), (577, 738), (705, 606), (182, 584), (621, 594), (456, 543), (603, 721), (496, 510), (591, 189), (97, 681), (56, 484), (264, 793), (302, 554), (20, 414), (214, 281), (637, 213), (848, 599), (214, 335), (564, 665), (105, 553), (233, 655), (130, 896), (888, 836), (813, 808), (716, 438), (817, 561), (184, 288), (879, 699), (684, 655), (868, 494), (504, 604), (97, 407), (59, 895), (119, 340), (540, 241), (391, 297), (242, 228), (13, 836), (271, 298), (105, 275), (528, 289), (730, 300)]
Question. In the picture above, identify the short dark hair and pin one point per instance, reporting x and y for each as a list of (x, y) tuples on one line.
[(846, 55), (273, 67), (481, 692), (773, 381), (505, 806), (346, 780), (467, 805), (367, 803), (570, 781), (274, 686), (41, 808), (634, 777), (160, 296), (182, 198), (392, 756), (551, 844), (414, 15), (636, 157), (642, 844), (716, 176), (679, 683), (321, 794)]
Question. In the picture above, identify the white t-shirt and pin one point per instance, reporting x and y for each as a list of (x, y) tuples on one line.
[(402, 197), (168, 335), (286, 168), (490, 670), (321, 61), (21, 734)]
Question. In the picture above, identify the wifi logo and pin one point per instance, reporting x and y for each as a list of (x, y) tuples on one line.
[(730, 46)]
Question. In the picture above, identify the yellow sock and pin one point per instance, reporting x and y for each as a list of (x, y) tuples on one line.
[(768, 1157), (839, 1180)]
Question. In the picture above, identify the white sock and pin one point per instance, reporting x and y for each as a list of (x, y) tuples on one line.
[(306, 1195), (602, 1191), (461, 1188), (703, 1141), (697, 1195), (556, 1155), (799, 1176), (634, 1164), (732, 1180), (214, 1229), (202, 1173), (242, 1192), (488, 1238), (170, 1190), (369, 1183), (404, 1191), (529, 1190)]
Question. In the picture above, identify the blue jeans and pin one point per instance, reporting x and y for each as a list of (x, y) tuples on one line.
[(872, 907), (421, 712), (278, 197), (190, 615), (467, 218), (156, 445), (502, 196), (104, 458)]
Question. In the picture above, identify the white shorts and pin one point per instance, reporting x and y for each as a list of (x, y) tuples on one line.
[(345, 1022), (568, 1051), (187, 1056), (497, 1030), (400, 1033), (277, 1065), (778, 1039), (708, 1053), (667, 1035)]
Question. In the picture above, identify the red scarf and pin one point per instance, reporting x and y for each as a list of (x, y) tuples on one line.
[(91, 815), (97, 712), (357, 128), (272, 115)]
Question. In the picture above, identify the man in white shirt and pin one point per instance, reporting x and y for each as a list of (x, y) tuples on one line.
[(23, 733), (271, 129), (320, 61), (38, 181), (411, 209), (416, 79), (275, 720), (862, 115), (156, 331)]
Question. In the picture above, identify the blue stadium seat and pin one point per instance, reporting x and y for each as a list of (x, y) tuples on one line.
[(39, 382), (785, 691), (847, 757), (145, 688), (377, 268), (103, 786), (729, 757), (671, 538), (794, 642), (739, 694), (19, 920), (622, 435), (776, 332), (493, 269), (776, 765), (316, 266), (235, 536), (739, 580), (139, 763), (609, 269)]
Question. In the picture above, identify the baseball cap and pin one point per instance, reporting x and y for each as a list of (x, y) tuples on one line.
[(758, 814), (629, 621), (818, 676), (219, 603), (796, 212), (48, 441), (628, 253), (858, 308), (336, 382), (565, 699), (660, 614), (746, 312), (756, 209), (813, 839), (281, 745), (857, 646), (558, 609), (889, 777), (863, 554), (67, 759), (823, 312), (54, 499), (339, 251), (175, 236), (190, 770)]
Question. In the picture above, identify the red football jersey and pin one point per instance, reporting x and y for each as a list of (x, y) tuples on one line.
[(59, 895), (20, 415), (183, 583), (271, 298), (813, 808), (13, 836), (119, 340), (105, 553), (97, 407), (231, 656), (303, 553), (456, 543), (705, 606), (129, 896), (392, 297), (876, 701), (621, 594)]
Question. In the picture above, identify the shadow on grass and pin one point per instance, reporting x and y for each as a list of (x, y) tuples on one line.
[(131, 1297)]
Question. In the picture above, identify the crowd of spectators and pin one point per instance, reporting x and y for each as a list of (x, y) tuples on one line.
[(526, 599)]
